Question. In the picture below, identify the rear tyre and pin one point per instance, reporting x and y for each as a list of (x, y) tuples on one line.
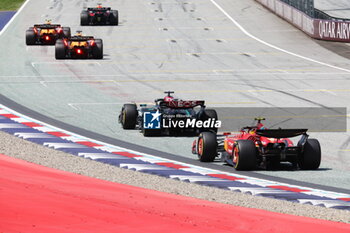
[(310, 159), (66, 32), (207, 147), (245, 155), (97, 50), (114, 18), (151, 132), (60, 49), (30, 37), (210, 114), (84, 18), (129, 116)]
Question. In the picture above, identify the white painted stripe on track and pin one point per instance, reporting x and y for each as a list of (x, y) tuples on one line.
[(326, 203), (11, 126), (140, 167), (258, 191), (196, 178), (33, 135), (63, 145), (240, 27)]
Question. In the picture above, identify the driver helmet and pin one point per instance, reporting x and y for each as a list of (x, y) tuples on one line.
[(261, 126), (99, 5), (48, 21), (168, 98), (79, 33)]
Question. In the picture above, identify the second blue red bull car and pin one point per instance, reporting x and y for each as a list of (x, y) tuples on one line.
[(99, 16)]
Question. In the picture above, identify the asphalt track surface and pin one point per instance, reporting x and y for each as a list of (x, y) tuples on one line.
[(50, 200), (200, 49)]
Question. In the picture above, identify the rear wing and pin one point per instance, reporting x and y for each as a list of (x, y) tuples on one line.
[(98, 9), (280, 133), (47, 26), (81, 38), (185, 103)]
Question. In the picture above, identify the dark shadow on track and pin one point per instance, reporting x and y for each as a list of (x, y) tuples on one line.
[(340, 48)]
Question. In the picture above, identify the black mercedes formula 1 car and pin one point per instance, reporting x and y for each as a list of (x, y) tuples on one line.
[(169, 116), (46, 34), (99, 16), (79, 47)]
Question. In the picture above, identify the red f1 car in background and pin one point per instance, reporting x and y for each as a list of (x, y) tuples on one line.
[(256, 146), (46, 34), (99, 16), (79, 47)]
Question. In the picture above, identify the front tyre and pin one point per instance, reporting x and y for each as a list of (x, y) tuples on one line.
[(245, 155), (210, 114), (207, 147), (310, 159)]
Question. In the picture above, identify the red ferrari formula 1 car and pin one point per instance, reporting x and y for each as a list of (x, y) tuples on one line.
[(256, 146), (46, 34)]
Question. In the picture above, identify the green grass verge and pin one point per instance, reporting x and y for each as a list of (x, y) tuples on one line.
[(10, 5)]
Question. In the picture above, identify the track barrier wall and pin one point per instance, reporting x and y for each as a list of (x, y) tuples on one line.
[(322, 29)]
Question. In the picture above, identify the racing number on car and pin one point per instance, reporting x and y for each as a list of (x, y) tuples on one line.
[(182, 104)]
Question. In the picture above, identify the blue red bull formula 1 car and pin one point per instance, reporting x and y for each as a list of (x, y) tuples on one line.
[(99, 16), (256, 146)]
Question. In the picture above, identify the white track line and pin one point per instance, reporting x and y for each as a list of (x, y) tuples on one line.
[(273, 46), (13, 17)]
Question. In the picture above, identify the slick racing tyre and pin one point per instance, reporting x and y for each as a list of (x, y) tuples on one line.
[(84, 18), (30, 37), (60, 49), (210, 114), (245, 155), (97, 50), (151, 132), (129, 116), (207, 147), (66, 32), (310, 159), (114, 18)]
